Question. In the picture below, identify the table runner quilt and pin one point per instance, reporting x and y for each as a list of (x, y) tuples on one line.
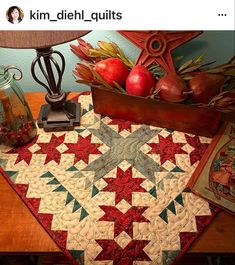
[(112, 191)]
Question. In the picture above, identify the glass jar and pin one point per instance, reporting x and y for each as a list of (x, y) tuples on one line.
[(17, 126)]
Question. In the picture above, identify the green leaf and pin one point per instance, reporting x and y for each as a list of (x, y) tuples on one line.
[(100, 79), (178, 58), (84, 82), (230, 72), (185, 65), (130, 62), (103, 53), (187, 77), (106, 46), (232, 65), (94, 53), (199, 59), (206, 64), (214, 71), (120, 52), (119, 88), (191, 69), (126, 61)]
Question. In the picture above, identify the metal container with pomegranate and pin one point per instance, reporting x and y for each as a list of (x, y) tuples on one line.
[(177, 116)]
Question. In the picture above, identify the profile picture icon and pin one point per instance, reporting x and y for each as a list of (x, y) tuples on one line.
[(15, 14)]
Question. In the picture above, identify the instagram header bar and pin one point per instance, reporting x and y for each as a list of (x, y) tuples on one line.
[(118, 15)]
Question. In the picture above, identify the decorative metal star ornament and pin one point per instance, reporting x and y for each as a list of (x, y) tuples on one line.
[(157, 45)]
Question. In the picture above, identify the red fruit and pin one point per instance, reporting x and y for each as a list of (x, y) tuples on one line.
[(112, 69), (140, 81), (172, 88), (205, 86)]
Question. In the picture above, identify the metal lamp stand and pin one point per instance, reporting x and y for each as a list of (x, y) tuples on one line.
[(59, 114)]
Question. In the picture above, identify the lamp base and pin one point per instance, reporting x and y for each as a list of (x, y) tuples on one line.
[(59, 119)]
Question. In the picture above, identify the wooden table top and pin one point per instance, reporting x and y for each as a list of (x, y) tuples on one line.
[(21, 232)]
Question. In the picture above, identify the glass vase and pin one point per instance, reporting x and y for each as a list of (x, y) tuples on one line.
[(17, 126)]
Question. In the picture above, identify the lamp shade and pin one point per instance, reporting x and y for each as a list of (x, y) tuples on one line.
[(37, 39)]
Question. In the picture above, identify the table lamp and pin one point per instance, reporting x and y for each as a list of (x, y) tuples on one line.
[(59, 114)]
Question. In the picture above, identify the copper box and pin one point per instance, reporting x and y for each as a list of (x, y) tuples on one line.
[(177, 116)]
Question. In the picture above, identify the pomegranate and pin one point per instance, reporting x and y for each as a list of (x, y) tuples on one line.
[(172, 88), (140, 81), (112, 69), (205, 86)]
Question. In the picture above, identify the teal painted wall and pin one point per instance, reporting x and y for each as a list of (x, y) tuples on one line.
[(214, 45)]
